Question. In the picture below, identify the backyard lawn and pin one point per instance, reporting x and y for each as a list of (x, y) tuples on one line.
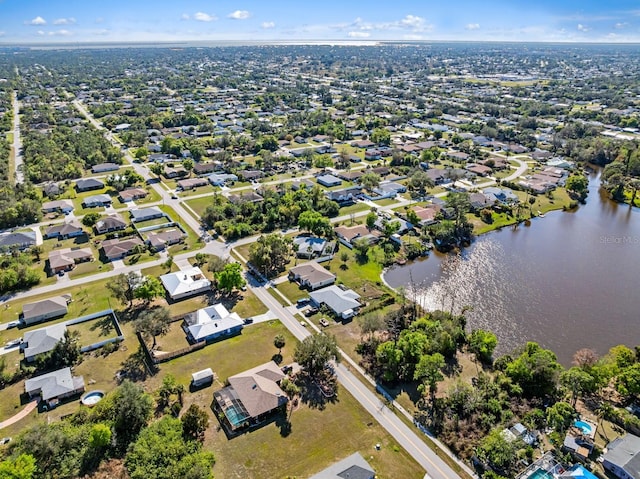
[(307, 449)]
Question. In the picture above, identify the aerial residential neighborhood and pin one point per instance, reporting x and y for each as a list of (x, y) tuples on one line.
[(363, 259)]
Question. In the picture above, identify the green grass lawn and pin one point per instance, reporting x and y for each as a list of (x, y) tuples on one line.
[(87, 298), (199, 204), (198, 191), (355, 208), (346, 428), (95, 330), (386, 202), (87, 269), (292, 291)]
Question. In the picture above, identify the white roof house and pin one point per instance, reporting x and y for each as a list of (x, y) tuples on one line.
[(54, 385), (43, 340), (343, 303), (185, 283), (211, 323)]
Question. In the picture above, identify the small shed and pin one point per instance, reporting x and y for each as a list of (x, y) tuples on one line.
[(201, 378)]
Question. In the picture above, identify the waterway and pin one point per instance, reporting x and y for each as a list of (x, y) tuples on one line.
[(567, 281)]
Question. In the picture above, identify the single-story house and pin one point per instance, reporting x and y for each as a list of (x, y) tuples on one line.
[(159, 241), (54, 386), (251, 396), (328, 180), (352, 467), (89, 184), (437, 175), (372, 154), (41, 341), (96, 200), (389, 189), (118, 248), (113, 222), (480, 200), (309, 246), (132, 194), (578, 445), (245, 196), (43, 310), (311, 275), (560, 163), (146, 214), (204, 168), (192, 183), (381, 170), (65, 259), (351, 175), (63, 206), (185, 283), (500, 195), (622, 458), (304, 183), (177, 172), (71, 229), (403, 226), (345, 196), (51, 189), (250, 175), (19, 239), (104, 167), (200, 378), (342, 302), (363, 144), (480, 170), (220, 179), (161, 157), (348, 234), (427, 214), (211, 323)]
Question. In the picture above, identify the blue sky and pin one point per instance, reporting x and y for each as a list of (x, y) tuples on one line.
[(38, 21)]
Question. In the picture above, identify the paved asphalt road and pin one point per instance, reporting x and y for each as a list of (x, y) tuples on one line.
[(404, 435)]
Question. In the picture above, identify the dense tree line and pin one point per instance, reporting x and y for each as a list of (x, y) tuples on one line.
[(116, 428), (528, 385), (279, 209), (16, 272)]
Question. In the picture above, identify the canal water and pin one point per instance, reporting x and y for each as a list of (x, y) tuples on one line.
[(568, 281)]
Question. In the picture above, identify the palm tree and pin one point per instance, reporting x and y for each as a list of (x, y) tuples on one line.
[(604, 411)]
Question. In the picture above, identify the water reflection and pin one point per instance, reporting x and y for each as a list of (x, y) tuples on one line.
[(568, 281)]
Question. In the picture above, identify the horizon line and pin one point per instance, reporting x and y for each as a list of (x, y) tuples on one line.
[(305, 42)]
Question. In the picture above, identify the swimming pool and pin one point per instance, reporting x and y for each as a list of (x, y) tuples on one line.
[(540, 474), (585, 427), (92, 398), (235, 416)]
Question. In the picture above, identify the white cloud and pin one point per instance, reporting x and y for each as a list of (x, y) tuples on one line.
[(620, 25), (37, 21), (204, 17), (64, 21), (60, 33), (40, 32), (2, 34), (358, 34), (239, 15), (99, 20), (412, 21), (583, 28), (266, 25), (472, 26), (185, 16)]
